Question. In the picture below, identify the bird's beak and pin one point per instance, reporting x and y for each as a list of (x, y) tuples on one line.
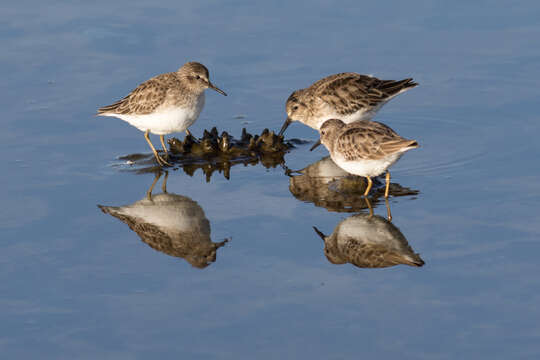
[(286, 124), (319, 233), (214, 87), (315, 145)]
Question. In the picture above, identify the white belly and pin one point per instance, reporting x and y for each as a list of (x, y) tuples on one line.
[(347, 119), (170, 213), (367, 167), (165, 120)]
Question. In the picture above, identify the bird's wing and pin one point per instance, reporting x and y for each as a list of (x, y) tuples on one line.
[(144, 99), (351, 92), (370, 140), (345, 92)]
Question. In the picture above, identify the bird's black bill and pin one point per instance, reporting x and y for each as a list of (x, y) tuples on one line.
[(316, 144), (214, 87), (319, 233), (285, 126)]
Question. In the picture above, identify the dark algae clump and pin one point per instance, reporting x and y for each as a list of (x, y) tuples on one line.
[(226, 147), (219, 152)]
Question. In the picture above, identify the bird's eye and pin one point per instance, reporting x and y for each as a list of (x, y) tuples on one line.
[(323, 132), (295, 107), (198, 77)]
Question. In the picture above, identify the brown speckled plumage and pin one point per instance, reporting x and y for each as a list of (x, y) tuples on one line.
[(347, 96), (350, 92), (149, 95), (363, 140), (165, 104), (192, 244), (365, 148), (368, 242), (178, 88)]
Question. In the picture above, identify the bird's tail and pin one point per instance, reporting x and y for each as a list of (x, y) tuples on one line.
[(394, 87)]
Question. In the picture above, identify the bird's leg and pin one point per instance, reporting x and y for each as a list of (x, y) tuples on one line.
[(164, 184), (387, 184), (188, 133), (162, 139), (158, 158), (156, 178), (369, 184), (388, 212), (368, 203)]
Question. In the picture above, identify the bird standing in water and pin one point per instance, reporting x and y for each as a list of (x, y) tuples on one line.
[(164, 104), (365, 148)]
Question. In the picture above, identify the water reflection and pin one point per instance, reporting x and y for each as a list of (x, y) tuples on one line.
[(144, 163), (327, 185), (173, 224), (368, 241)]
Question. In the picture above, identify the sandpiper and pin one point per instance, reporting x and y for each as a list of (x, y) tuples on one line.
[(365, 148), (173, 224), (368, 241), (346, 96), (164, 104)]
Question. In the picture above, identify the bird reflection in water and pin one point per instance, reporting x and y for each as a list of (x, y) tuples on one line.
[(368, 241), (327, 185), (173, 224)]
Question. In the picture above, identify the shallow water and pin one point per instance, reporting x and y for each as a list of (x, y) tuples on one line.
[(78, 283)]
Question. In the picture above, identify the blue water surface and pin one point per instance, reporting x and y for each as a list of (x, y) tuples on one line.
[(79, 284)]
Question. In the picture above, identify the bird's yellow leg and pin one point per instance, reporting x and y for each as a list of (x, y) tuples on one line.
[(388, 212), (368, 203), (149, 192), (158, 158), (369, 184), (188, 133), (162, 139), (164, 184), (387, 184)]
